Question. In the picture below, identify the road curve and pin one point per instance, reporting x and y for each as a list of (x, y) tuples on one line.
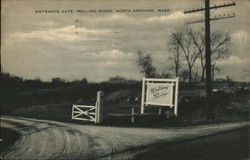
[(42, 139)]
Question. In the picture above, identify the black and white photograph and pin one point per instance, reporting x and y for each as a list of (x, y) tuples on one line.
[(125, 80)]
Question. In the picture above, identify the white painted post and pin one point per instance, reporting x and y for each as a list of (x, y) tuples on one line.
[(142, 96), (72, 112), (176, 96), (99, 107)]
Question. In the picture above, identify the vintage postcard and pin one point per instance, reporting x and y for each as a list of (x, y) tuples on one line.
[(125, 79)]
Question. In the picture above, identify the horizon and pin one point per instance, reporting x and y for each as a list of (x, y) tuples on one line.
[(126, 79)]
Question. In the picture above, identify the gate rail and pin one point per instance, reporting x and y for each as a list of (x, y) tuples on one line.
[(89, 112)]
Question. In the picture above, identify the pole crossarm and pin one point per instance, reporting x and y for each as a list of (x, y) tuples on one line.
[(214, 18), (213, 7), (222, 17)]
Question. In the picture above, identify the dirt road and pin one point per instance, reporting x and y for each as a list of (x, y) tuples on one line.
[(41, 139)]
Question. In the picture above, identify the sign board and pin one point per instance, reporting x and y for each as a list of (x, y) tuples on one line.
[(159, 94)]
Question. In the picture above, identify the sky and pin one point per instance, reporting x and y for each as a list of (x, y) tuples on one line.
[(98, 46)]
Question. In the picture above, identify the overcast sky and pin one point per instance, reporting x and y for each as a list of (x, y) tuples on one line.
[(102, 45)]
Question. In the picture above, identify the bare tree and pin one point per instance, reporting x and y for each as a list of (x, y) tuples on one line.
[(220, 54), (199, 41), (175, 57), (183, 39), (219, 48), (146, 66)]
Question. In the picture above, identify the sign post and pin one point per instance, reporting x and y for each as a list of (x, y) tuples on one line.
[(143, 94), (176, 97)]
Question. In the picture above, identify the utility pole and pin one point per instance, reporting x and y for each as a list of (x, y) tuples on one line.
[(207, 53), (207, 44)]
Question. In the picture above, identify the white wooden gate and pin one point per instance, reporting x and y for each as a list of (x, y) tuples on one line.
[(89, 113), (83, 112)]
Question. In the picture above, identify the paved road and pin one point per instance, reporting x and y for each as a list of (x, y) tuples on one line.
[(41, 139)]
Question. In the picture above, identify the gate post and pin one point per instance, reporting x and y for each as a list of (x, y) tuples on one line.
[(99, 107)]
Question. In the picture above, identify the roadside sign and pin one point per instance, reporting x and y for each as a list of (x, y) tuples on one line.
[(160, 92)]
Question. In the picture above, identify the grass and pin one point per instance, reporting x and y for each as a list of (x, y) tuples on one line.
[(57, 112)]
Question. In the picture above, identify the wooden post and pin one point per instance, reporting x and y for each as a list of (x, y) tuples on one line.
[(133, 116), (159, 110), (99, 107), (176, 96), (142, 96), (208, 82)]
